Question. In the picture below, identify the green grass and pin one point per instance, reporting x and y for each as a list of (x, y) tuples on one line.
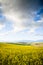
[(16, 54)]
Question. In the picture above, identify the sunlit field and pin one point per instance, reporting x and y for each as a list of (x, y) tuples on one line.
[(15, 54)]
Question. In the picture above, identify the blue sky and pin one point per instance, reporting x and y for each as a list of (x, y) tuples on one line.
[(21, 20)]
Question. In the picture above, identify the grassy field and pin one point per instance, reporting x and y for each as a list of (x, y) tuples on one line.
[(15, 54)]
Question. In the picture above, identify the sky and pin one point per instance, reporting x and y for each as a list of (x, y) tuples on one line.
[(21, 20)]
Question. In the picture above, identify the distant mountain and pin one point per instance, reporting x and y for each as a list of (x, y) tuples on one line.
[(39, 41), (26, 41)]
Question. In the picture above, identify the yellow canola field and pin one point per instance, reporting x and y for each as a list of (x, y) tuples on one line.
[(12, 54)]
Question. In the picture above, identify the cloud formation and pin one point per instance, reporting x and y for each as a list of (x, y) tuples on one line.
[(21, 15), (22, 11)]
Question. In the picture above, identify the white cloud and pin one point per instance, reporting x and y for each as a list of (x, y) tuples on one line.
[(32, 31), (40, 20), (2, 26), (21, 18), (20, 24)]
